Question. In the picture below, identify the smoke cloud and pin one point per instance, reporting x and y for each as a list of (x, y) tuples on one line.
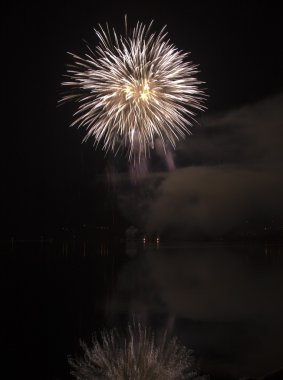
[(227, 174)]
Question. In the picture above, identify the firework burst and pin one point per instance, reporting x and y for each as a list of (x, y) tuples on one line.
[(133, 89)]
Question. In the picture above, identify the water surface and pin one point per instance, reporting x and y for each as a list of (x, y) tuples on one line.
[(222, 300)]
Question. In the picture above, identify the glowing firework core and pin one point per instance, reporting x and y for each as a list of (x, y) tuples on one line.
[(133, 89), (138, 92)]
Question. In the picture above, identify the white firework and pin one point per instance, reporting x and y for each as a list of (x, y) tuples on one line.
[(134, 89)]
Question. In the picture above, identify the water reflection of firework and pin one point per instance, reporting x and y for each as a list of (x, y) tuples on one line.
[(132, 89), (136, 356)]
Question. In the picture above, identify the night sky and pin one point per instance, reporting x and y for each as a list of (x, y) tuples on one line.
[(228, 172)]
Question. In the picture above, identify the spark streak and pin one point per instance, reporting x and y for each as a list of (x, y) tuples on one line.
[(133, 89)]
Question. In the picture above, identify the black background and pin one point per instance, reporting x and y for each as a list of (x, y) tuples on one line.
[(50, 179)]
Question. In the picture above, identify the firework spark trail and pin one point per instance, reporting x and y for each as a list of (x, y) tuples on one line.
[(132, 89)]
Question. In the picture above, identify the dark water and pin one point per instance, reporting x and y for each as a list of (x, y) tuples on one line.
[(224, 301)]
